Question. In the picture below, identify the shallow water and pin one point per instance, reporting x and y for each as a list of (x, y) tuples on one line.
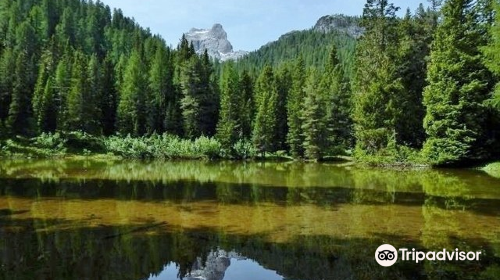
[(74, 219)]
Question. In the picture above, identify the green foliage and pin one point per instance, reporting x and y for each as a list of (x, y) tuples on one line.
[(264, 131), (76, 66), (163, 147), (294, 107), (492, 169), (131, 109), (313, 46), (336, 89), (377, 86), (313, 116), (229, 127), (458, 87), (20, 119)]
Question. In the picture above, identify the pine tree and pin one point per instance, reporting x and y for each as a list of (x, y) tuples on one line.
[(92, 107), (377, 85), (247, 109), (7, 71), (199, 101), (131, 108), (295, 106), (160, 88), (458, 87), (264, 131), (109, 97), (313, 115), (191, 92), (411, 67), (38, 95), (283, 78), (62, 86), (77, 94), (338, 106), (20, 119), (492, 57), (47, 114), (229, 126)]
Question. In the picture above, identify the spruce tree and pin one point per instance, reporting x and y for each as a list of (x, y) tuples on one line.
[(294, 107), (47, 114), (20, 119), (78, 93), (131, 108), (338, 106), (229, 126), (377, 86), (62, 86), (109, 97), (492, 57), (264, 131), (458, 87), (7, 71), (92, 108), (313, 116), (283, 78), (247, 109)]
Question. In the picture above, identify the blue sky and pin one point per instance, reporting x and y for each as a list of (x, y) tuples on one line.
[(249, 23)]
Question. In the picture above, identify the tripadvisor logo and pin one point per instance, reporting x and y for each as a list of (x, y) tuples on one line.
[(386, 255)]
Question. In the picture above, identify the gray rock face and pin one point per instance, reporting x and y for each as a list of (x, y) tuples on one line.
[(349, 25), (215, 41), (214, 268)]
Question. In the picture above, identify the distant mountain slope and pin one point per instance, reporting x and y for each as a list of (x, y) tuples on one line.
[(313, 44)]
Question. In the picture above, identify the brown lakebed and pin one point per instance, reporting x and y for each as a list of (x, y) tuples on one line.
[(65, 219)]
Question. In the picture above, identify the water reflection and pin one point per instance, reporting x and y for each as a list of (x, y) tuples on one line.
[(132, 220)]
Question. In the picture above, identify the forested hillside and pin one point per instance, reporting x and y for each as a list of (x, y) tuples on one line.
[(313, 45), (71, 65), (418, 88)]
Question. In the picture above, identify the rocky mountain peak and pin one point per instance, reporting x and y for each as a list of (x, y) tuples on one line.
[(341, 23), (213, 40)]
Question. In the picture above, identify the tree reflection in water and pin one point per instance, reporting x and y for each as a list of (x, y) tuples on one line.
[(132, 220)]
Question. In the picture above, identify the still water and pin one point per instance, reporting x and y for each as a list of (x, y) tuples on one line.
[(78, 219)]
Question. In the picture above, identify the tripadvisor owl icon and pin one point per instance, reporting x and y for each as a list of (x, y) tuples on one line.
[(386, 255)]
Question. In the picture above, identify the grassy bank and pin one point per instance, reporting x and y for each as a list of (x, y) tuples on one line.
[(493, 169), (166, 147), (77, 144)]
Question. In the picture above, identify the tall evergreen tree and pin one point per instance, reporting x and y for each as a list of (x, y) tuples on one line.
[(62, 86), (377, 85), (161, 90), (109, 93), (338, 106), (47, 112), (264, 131), (247, 111), (283, 78), (7, 71), (313, 116), (492, 56), (131, 108), (229, 126), (78, 94), (458, 87), (294, 107), (199, 102), (20, 119)]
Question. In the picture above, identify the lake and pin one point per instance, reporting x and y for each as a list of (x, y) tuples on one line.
[(98, 219)]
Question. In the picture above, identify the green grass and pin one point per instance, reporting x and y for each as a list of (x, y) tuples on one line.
[(79, 144), (493, 169)]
